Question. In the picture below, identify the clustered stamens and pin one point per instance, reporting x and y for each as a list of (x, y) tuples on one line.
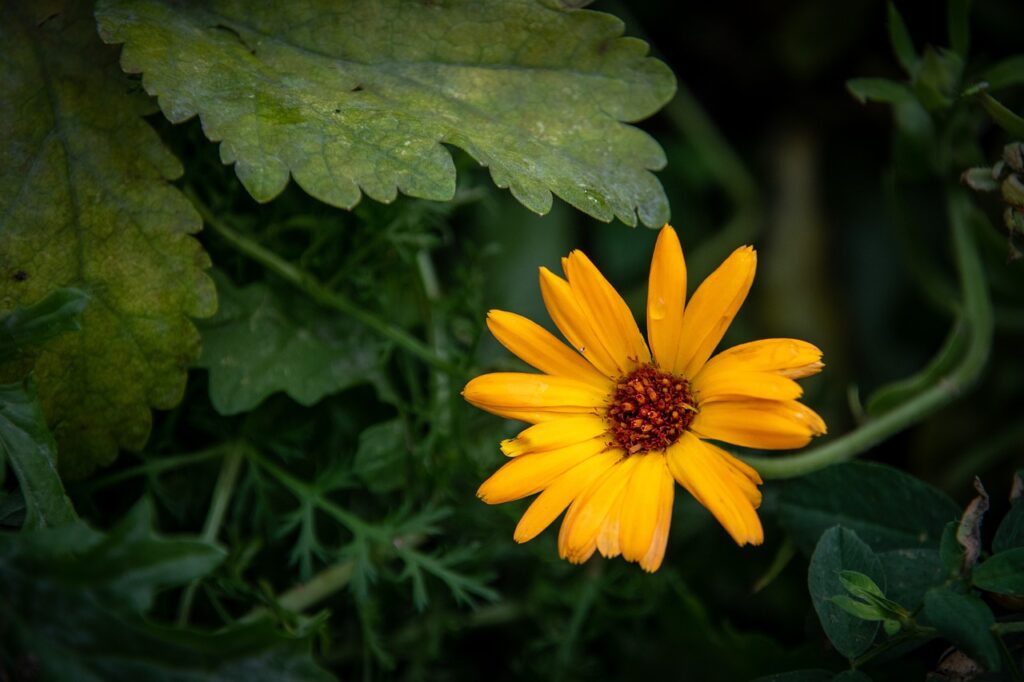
[(650, 410)]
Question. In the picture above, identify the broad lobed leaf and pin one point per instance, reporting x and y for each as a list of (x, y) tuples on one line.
[(85, 202), (361, 96), (262, 341)]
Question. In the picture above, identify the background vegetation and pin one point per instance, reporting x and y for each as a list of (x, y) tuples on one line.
[(306, 509)]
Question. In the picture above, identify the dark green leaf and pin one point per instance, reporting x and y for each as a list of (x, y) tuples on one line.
[(31, 325), (902, 43), (840, 549), (261, 342), (1010, 533), (937, 78), (84, 181), (851, 676), (70, 598), (26, 443), (1002, 573), (958, 20), (878, 90), (887, 508), (910, 573), (1005, 74), (1003, 117), (966, 621), (536, 93), (895, 394), (381, 456)]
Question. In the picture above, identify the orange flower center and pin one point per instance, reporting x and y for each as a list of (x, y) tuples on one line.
[(650, 410)]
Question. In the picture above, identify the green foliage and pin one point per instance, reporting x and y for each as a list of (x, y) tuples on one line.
[(839, 551), (72, 600), (261, 341), (966, 621), (26, 327), (85, 182), (26, 443), (1002, 573), (326, 93), (1010, 533), (887, 508)]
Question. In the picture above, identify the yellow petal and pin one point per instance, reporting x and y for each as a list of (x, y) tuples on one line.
[(707, 477), (742, 474), (712, 309), (651, 561), (722, 382), (508, 393), (563, 490), (530, 474), (666, 297), (610, 317), (538, 348), (608, 538), (791, 358), (765, 424), (570, 319), (641, 505), (577, 538), (555, 434)]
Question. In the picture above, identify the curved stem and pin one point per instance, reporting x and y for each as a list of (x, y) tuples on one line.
[(977, 309), (309, 285)]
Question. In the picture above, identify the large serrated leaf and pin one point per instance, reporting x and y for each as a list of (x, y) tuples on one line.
[(360, 96), (85, 202)]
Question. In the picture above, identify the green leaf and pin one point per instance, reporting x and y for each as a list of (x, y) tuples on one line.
[(898, 392), (381, 456), (26, 443), (261, 342), (902, 43), (887, 508), (1003, 117), (841, 550), (1010, 533), (70, 599), (1002, 573), (59, 312), (878, 90), (952, 553), (966, 621), (1005, 74), (132, 562), (958, 21), (84, 180), (910, 573), (360, 96), (937, 77)]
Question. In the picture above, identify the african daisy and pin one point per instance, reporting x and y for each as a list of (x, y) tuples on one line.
[(616, 423)]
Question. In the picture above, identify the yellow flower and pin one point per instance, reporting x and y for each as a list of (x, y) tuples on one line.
[(616, 423)]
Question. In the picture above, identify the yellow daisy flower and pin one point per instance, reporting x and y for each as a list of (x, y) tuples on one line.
[(615, 424)]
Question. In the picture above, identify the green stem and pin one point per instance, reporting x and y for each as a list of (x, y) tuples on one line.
[(156, 466), (222, 492), (898, 640), (978, 317), (439, 340), (319, 587), (1008, 628), (309, 285)]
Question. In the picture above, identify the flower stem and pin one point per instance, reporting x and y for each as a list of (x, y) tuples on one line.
[(312, 287), (977, 314), (222, 492)]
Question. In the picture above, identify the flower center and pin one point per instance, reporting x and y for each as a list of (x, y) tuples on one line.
[(650, 410)]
